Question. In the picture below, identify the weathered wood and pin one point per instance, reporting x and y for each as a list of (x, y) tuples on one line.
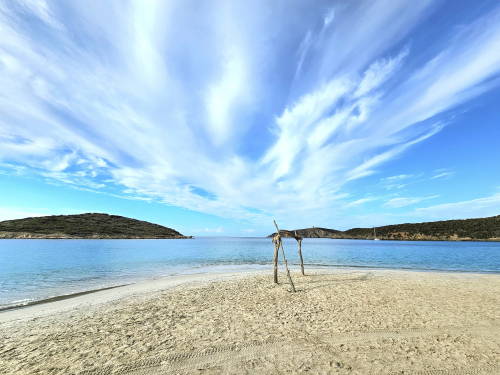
[(299, 244), (275, 260), (284, 257)]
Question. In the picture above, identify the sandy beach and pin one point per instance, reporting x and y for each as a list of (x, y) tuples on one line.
[(339, 322)]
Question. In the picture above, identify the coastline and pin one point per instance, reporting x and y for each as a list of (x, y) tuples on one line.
[(96, 297), (205, 276), (404, 239), (340, 321), (57, 298), (193, 237), (55, 237)]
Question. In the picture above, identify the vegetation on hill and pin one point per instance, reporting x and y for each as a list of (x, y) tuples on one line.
[(312, 233), (449, 230), (90, 225)]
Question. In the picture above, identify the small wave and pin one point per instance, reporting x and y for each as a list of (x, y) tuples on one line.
[(21, 301), (399, 268), (30, 302)]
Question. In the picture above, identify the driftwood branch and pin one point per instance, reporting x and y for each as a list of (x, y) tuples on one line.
[(280, 245), (276, 241), (299, 245)]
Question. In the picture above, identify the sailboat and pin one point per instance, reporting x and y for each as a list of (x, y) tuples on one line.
[(375, 235)]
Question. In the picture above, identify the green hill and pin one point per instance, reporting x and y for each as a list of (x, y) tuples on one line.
[(483, 229), (90, 225), (312, 233)]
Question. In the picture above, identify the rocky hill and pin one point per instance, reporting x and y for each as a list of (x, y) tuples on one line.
[(91, 225), (483, 229)]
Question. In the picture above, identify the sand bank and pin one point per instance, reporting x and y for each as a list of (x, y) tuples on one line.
[(342, 321)]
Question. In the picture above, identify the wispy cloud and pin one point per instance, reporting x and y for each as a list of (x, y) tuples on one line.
[(398, 177), (359, 202), (479, 207), (442, 174), (406, 201), (107, 96)]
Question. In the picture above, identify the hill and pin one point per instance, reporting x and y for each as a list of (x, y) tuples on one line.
[(312, 233), (483, 229), (90, 225)]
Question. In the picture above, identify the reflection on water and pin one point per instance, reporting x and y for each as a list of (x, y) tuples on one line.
[(37, 269)]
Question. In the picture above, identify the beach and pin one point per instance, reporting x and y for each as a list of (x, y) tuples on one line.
[(342, 321)]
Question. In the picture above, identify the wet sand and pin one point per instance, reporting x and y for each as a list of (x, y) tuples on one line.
[(339, 321), (57, 298)]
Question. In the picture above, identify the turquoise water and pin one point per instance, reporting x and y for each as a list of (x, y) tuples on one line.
[(38, 269)]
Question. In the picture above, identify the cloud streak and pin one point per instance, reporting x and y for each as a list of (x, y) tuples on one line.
[(258, 117), (406, 201), (479, 207)]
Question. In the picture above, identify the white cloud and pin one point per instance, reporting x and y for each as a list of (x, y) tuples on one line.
[(442, 175), (378, 72), (41, 9), (302, 51), (395, 186), (479, 207), (222, 97), (360, 202), (329, 17), (264, 115), (397, 177), (406, 201)]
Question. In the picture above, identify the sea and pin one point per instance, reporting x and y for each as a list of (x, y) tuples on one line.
[(35, 270)]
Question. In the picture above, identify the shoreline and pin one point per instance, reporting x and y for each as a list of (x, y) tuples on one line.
[(101, 296), (64, 302), (409, 269), (264, 237), (244, 272), (60, 297), (98, 238), (405, 240), (340, 321)]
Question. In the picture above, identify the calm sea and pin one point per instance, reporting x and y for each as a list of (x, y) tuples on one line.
[(31, 270)]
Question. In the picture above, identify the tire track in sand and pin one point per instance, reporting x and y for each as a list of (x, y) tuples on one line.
[(214, 356)]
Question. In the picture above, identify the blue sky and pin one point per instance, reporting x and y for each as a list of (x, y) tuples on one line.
[(215, 117)]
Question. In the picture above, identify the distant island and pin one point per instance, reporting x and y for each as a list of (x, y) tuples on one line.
[(85, 226), (483, 229)]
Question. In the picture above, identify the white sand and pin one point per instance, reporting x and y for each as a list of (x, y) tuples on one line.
[(341, 321), (143, 289)]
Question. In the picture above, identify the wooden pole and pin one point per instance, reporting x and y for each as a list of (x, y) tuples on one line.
[(301, 259), (275, 260), (284, 257), (299, 243)]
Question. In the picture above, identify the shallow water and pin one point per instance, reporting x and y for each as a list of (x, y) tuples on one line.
[(38, 269)]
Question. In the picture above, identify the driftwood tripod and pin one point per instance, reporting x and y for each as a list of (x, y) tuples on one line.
[(278, 244)]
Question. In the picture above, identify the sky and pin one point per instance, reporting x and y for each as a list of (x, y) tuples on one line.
[(216, 117)]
